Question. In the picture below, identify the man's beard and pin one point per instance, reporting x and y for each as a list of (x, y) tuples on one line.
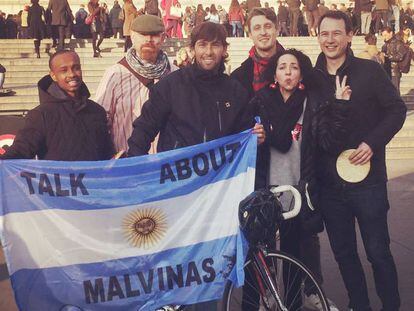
[(149, 52)]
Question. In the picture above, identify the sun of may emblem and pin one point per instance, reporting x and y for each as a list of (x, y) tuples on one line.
[(146, 227)]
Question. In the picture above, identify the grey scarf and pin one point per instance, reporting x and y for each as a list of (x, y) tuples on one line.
[(148, 70)]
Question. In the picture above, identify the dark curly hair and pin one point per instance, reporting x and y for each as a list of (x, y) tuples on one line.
[(304, 61)]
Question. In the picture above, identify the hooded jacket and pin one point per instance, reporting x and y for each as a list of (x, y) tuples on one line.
[(62, 128)]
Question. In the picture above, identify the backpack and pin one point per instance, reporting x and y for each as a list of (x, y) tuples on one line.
[(405, 64)]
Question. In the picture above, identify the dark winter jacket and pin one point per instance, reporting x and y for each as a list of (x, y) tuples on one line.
[(394, 51), (376, 114), (61, 12), (363, 6), (323, 124), (283, 14), (244, 74), (188, 107), (310, 5), (116, 22), (63, 129), (293, 5), (35, 21)]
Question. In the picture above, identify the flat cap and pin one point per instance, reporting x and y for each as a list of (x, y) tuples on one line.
[(148, 24)]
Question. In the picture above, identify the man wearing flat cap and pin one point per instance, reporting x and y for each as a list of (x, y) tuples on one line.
[(125, 86)]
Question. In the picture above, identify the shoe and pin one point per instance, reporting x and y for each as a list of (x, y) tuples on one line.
[(38, 55), (332, 305), (312, 302), (96, 54)]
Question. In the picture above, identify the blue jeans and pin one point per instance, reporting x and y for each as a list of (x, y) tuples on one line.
[(237, 28), (369, 206)]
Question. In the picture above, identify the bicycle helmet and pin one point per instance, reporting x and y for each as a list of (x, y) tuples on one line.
[(259, 215)]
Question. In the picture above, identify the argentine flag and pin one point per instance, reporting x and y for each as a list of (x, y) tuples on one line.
[(128, 234)]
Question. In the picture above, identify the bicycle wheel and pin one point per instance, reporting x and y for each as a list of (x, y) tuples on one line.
[(288, 274)]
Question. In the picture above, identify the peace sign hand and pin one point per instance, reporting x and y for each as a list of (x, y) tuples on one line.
[(343, 91)]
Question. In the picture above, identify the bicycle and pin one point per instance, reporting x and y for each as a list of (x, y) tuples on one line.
[(274, 280)]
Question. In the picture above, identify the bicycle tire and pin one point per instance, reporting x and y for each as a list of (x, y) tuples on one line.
[(237, 300)]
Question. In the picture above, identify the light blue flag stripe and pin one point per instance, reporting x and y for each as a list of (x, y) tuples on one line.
[(114, 184), (110, 184), (199, 273)]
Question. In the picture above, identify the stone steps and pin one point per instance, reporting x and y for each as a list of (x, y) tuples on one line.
[(402, 142), (400, 154), (24, 71)]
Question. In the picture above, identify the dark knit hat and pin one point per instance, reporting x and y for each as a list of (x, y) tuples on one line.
[(148, 24)]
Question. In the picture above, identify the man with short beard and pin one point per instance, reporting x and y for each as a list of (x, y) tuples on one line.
[(66, 126), (195, 104), (125, 86)]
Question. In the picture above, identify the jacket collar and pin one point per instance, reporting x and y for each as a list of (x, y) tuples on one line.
[(49, 92), (321, 63)]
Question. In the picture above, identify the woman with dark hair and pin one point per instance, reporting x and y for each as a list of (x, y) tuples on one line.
[(35, 20), (97, 25), (291, 114), (236, 18)]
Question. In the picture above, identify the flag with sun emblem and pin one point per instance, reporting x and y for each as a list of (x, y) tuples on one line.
[(129, 234)]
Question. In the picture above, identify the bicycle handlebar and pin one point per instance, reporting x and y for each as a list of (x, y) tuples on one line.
[(296, 196)]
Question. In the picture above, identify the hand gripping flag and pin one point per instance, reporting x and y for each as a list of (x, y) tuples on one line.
[(129, 234)]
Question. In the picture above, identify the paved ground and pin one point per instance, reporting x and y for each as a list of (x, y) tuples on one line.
[(401, 217)]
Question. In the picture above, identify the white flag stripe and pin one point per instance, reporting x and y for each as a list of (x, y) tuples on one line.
[(75, 237)]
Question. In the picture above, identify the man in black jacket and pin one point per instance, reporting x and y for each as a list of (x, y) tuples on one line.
[(377, 114), (66, 126), (394, 50), (196, 104)]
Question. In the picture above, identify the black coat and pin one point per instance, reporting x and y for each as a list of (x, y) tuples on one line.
[(377, 113), (244, 74), (189, 107), (60, 129), (61, 12), (36, 23), (324, 123)]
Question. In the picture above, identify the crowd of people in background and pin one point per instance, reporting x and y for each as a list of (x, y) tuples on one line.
[(308, 119), (295, 17)]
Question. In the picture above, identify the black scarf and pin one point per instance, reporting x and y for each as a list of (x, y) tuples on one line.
[(281, 117)]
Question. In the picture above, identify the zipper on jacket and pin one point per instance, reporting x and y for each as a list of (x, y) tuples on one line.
[(205, 135), (219, 115)]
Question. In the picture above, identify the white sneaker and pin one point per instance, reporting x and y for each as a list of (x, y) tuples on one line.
[(312, 302)]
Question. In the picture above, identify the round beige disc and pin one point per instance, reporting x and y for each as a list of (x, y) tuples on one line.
[(350, 172)]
